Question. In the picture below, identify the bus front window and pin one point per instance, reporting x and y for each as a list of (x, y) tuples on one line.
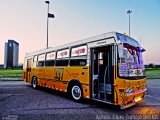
[(130, 63)]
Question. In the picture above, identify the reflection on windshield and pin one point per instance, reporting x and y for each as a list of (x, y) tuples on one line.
[(131, 64)]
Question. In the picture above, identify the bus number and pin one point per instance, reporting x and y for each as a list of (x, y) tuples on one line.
[(59, 74)]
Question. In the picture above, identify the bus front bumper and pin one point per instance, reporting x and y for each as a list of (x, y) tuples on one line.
[(134, 98)]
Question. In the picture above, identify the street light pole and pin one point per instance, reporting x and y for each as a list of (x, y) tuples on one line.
[(129, 12), (47, 2)]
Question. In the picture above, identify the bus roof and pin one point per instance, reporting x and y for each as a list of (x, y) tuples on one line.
[(75, 43), (119, 37)]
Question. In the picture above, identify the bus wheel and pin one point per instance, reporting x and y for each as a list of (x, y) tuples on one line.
[(34, 82), (76, 92)]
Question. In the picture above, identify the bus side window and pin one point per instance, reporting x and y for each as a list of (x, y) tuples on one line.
[(41, 60), (49, 63), (78, 62), (62, 62), (40, 63)]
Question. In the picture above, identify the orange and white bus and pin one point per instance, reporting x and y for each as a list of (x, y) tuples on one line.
[(108, 68)]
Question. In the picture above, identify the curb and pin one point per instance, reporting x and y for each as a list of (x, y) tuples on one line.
[(10, 80)]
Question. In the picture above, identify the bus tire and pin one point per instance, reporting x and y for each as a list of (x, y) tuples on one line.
[(76, 92), (34, 83)]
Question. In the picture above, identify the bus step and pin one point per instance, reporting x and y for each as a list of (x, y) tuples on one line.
[(105, 88), (101, 96), (102, 91)]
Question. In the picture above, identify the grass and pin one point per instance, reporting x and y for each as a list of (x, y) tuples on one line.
[(9, 72), (153, 73)]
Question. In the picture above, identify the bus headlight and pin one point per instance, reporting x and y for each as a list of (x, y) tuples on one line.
[(138, 99)]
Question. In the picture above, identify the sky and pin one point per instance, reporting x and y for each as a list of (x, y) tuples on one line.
[(25, 21)]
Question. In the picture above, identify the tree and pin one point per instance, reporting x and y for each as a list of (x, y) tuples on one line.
[(151, 65)]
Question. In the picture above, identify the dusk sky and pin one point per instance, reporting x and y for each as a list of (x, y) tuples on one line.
[(25, 22)]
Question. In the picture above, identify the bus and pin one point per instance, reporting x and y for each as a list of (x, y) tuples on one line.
[(107, 68)]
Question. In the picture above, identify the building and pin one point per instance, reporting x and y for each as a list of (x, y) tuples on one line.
[(11, 54)]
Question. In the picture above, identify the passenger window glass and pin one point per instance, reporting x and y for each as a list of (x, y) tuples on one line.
[(62, 62), (78, 62), (40, 63), (49, 63)]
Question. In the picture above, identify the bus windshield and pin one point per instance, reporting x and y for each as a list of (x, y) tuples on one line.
[(130, 61)]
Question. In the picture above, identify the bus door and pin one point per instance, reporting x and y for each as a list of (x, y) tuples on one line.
[(28, 71), (101, 64)]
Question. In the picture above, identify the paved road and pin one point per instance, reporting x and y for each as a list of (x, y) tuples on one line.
[(19, 101)]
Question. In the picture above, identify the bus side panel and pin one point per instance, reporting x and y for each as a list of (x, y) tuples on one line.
[(58, 78), (41, 73), (49, 73), (34, 73), (81, 74)]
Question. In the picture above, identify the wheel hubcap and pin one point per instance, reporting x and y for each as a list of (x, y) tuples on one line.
[(34, 83), (76, 92)]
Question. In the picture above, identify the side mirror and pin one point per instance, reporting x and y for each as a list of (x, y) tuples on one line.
[(143, 50)]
